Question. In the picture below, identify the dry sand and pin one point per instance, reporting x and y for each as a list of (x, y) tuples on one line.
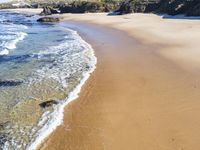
[(145, 92)]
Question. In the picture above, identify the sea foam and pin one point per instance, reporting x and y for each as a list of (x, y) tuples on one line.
[(50, 121), (11, 34)]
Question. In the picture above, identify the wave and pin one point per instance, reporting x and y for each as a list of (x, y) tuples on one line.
[(10, 35), (10, 42), (50, 121), (4, 52)]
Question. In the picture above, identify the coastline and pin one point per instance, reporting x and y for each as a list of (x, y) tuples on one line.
[(49, 120), (144, 93)]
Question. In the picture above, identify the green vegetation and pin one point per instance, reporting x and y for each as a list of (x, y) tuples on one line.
[(171, 7), (90, 6), (6, 6)]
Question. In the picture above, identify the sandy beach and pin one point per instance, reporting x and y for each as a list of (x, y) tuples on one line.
[(144, 93)]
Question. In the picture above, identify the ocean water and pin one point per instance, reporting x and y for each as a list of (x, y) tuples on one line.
[(42, 68)]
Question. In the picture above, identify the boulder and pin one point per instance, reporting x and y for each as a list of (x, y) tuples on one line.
[(48, 10), (49, 103), (48, 19)]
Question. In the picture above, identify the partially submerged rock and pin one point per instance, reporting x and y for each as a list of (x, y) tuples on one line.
[(9, 83), (5, 125), (48, 19), (48, 103), (3, 139)]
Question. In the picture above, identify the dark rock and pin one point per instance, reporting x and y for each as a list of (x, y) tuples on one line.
[(171, 7), (9, 83), (48, 103), (137, 6), (5, 125), (193, 8), (152, 7), (48, 19), (35, 5), (48, 10), (29, 15), (176, 7), (3, 139)]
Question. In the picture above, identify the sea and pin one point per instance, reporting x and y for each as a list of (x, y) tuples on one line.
[(42, 68)]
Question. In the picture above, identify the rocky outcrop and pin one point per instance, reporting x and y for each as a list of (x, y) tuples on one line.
[(47, 10), (176, 7), (35, 5), (48, 19), (48, 103), (171, 7), (194, 10), (137, 6)]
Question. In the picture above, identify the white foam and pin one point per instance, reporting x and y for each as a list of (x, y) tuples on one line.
[(11, 34), (10, 44), (55, 119), (69, 59), (4, 52), (19, 36)]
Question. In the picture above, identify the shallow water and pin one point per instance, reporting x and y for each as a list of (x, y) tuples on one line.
[(38, 63)]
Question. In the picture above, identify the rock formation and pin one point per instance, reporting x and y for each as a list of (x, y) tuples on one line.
[(48, 103), (171, 7), (47, 10), (48, 19)]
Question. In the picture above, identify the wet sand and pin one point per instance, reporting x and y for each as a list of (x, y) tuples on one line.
[(144, 94)]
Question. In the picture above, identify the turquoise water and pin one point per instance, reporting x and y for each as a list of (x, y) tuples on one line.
[(38, 63)]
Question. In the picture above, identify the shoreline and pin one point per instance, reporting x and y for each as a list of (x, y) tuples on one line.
[(144, 93), (58, 113)]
